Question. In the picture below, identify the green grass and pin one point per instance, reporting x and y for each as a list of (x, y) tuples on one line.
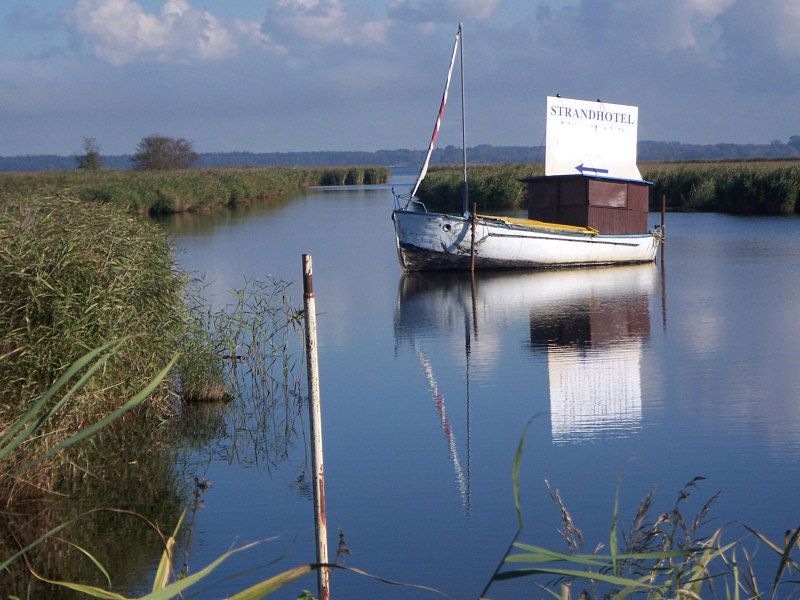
[(164, 192), (491, 187), (746, 188), (670, 555), (76, 275), (73, 277), (735, 187)]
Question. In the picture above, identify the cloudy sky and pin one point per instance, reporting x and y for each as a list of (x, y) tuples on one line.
[(287, 75)]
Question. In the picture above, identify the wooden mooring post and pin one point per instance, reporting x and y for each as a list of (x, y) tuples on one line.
[(315, 415)]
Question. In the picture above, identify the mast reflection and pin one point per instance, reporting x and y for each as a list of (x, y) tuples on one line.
[(589, 326), (428, 304)]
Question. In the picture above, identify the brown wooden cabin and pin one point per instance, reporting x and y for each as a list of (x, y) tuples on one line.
[(612, 206)]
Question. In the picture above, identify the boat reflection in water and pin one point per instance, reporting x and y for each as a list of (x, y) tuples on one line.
[(591, 326), (588, 324)]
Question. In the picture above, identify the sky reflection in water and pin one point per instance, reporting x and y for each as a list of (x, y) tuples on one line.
[(427, 382)]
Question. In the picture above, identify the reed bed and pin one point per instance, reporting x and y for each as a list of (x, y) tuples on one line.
[(735, 187), (74, 276), (491, 187), (164, 192), (744, 188)]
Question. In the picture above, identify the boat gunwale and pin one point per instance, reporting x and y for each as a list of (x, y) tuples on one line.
[(428, 260), (537, 229)]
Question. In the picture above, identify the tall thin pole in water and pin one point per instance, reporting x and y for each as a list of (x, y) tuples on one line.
[(472, 239), (315, 415), (663, 275), (465, 191)]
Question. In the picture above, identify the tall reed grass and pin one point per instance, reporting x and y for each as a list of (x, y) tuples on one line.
[(744, 188), (32, 528), (255, 335), (736, 187), (74, 276), (491, 187), (163, 192), (671, 555)]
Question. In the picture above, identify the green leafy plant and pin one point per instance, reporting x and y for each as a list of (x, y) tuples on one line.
[(44, 407), (666, 557)]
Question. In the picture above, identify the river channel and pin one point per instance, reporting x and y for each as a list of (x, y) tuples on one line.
[(642, 377)]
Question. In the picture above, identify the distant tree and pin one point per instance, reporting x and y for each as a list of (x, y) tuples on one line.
[(90, 159), (794, 142), (156, 152)]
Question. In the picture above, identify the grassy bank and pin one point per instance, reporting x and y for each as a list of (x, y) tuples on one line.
[(74, 276), (736, 187), (165, 192), (491, 187), (746, 188)]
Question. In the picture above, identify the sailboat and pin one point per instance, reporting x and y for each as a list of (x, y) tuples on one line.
[(589, 209)]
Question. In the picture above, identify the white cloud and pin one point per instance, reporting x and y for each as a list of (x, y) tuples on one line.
[(322, 22), (374, 32), (650, 26), (769, 27), (430, 11), (121, 31)]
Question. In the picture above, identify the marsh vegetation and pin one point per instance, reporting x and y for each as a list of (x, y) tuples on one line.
[(82, 279), (171, 191), (64, 257), (735, 187)]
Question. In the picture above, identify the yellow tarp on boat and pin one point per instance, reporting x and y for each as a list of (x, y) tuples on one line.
[(532, 223)]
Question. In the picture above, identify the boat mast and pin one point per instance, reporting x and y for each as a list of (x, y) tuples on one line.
[(424, 170), (465, 189)]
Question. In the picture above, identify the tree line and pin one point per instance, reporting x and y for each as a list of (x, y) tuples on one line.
[(153, 153), (160, 152)]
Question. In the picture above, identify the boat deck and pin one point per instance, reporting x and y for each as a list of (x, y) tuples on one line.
[(532, 224)]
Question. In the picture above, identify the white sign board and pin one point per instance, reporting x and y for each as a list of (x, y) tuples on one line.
[(591, 138)]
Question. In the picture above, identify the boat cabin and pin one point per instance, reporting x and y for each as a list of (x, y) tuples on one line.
[(611, 206)]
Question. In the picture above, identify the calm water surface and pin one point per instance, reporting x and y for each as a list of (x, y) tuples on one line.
[(647, 375)]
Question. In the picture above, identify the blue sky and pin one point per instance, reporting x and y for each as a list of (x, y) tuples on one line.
[(290, 75)]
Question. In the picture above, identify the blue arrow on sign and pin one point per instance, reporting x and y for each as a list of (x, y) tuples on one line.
[(594, 170)]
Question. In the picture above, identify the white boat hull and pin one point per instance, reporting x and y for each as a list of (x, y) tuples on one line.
[(432, 241)]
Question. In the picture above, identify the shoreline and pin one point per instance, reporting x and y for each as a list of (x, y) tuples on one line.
[(730, 187)]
